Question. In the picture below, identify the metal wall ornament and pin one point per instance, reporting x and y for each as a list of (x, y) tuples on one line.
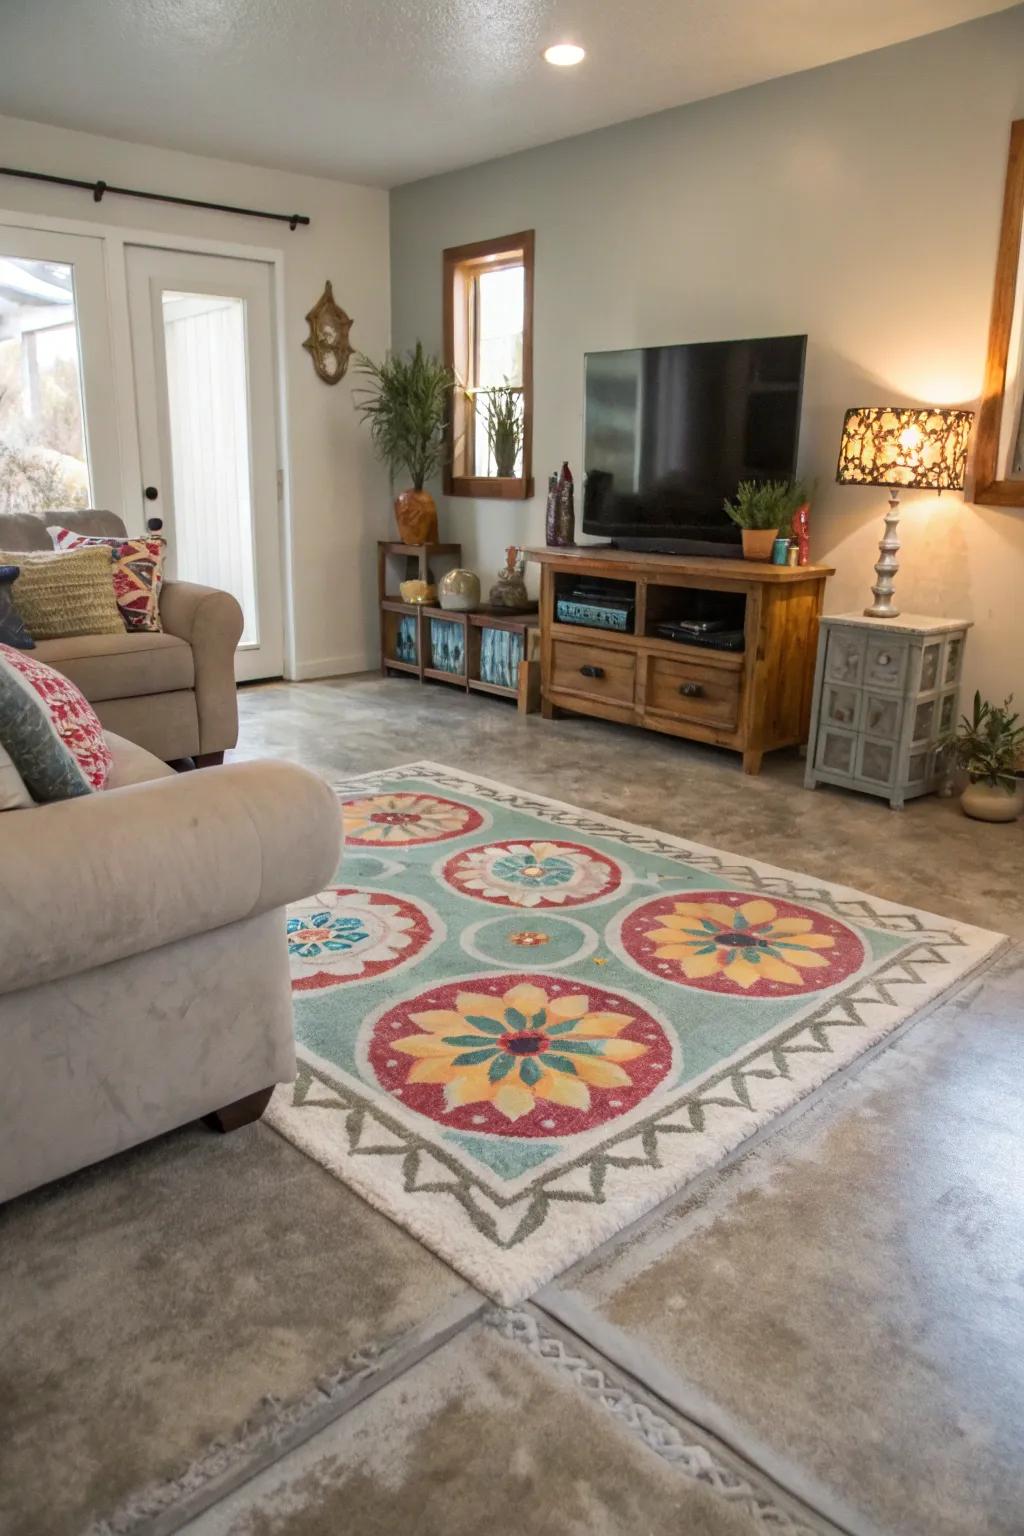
[(327, 342)]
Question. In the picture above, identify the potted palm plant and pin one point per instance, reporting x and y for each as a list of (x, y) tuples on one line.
[(988, 744), (763, 509), (405, 402), (504, 424)]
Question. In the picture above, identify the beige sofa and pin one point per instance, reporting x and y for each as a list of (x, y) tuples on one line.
[(172, 693), (143, 960)]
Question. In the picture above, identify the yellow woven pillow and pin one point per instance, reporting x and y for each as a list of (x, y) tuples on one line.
[(65, 594)]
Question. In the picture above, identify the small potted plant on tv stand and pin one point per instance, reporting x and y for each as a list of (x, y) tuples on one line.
[(763, 509)]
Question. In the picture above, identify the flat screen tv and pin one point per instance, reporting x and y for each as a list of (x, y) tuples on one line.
[(669, 433)]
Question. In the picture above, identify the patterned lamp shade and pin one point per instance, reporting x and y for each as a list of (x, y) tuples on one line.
[(888, 445)]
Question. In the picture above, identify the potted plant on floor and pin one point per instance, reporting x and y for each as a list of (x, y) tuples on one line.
[(405, 402), (504, 425), (763, 509), (988, 744)]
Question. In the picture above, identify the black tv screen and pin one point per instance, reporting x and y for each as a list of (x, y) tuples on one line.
[(669, 432)]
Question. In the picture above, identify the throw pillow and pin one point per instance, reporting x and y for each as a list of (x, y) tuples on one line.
[(13, 794), (53, 736), (138, 573), (66, 594), (12, 625)]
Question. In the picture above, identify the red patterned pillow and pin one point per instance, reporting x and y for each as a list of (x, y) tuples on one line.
[(49, 730), (138, 573)]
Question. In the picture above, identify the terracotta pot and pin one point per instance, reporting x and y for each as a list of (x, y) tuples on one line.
[(416, 516), (757, 543), (991, 802)]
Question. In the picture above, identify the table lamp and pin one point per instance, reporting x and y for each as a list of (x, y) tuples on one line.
[(905, 449)]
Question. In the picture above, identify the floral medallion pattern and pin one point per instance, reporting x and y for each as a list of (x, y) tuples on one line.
[(533, 875), (402, 819), (520, 1057), (346, 935), (509, 940), (734, 944)]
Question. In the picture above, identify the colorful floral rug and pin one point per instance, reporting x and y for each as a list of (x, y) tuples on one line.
[(521, 1025)]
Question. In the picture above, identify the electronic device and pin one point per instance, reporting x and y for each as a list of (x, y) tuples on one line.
[(699, 626), (598, 610), (669, 432), (715, 640)]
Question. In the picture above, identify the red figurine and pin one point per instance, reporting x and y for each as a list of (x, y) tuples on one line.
[(802, 532)]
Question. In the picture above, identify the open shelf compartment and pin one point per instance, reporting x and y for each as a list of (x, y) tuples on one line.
[(596, 603)]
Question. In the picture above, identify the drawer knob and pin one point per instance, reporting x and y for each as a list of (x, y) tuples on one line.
[(589, 671), (691, 690), (884, 659)]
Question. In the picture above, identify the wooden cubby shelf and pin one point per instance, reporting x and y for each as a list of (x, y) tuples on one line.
[(412, 637)]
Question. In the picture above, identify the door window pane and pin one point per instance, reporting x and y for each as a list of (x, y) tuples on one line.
[(208, 406), (43, 465)]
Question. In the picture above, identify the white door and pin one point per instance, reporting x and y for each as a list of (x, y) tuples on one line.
[(203, 345), (58, 427)]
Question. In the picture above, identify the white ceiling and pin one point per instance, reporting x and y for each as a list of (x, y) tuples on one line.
[(387, 91)]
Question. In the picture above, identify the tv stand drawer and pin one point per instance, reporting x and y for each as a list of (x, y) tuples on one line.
[(688, 691), (595, 670)]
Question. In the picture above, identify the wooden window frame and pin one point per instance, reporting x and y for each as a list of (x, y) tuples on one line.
[(461, 264), (989, 489)]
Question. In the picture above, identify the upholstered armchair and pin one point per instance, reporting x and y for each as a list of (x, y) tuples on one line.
[(144, 974), (171, 692)]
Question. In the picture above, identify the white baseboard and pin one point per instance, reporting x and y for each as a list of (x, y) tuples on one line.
[(330, 666)]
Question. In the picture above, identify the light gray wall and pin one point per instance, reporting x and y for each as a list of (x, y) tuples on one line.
[(859, 203)]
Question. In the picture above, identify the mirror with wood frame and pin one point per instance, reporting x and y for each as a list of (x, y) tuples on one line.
[(999, 440)]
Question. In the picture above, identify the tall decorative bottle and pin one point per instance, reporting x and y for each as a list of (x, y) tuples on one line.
[(551, 518), (566, 518)]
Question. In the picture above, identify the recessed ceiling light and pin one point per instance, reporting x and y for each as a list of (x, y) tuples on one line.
[(564, 54)]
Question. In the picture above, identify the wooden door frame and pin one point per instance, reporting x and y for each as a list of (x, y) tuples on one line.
[(115, 238)]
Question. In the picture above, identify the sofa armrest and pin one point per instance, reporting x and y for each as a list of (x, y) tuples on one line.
[(104, 876), (211, 621)]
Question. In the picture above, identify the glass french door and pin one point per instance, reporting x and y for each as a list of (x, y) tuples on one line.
[(58, 432), (203, 348)]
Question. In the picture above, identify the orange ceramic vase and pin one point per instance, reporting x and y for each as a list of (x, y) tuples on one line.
[(416, 516)]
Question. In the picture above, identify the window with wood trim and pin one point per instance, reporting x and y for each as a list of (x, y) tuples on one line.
[(488, 341)]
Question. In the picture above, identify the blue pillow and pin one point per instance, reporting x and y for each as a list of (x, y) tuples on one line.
[(12, 625)]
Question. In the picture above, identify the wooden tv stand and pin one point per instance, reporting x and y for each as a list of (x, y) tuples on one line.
[(751, 701)]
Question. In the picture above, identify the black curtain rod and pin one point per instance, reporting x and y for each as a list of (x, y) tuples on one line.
[(98, 188)]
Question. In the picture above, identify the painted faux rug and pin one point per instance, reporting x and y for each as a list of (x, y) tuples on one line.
[(521, 1025)]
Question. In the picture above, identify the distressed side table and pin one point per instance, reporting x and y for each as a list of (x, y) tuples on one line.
[(885, 698)]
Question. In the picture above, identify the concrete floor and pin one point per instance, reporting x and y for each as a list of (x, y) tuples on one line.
[(929, 855), (843, 1305), (826, 1336)]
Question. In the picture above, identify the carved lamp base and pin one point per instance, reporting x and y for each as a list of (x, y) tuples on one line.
[(887, 565)]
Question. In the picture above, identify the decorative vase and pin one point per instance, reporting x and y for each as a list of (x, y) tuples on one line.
[(565, 520), (505, 449), (509, 591), (991, 802), (551, 514), (416, 516), (459, 591), (757, 543), (416, 591)]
